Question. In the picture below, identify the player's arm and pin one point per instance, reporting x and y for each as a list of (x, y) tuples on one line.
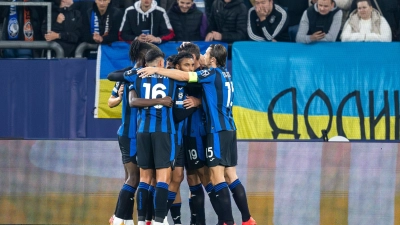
[(173, 74), (118, 75), (116, 96), (134, 101)]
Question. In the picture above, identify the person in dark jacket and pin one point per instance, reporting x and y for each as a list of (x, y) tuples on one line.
[(228, 21), (321, 22), (146, 22), (101, 23), (188, 22), (294, 10), (66, 26), (267, 22), (22, 23)]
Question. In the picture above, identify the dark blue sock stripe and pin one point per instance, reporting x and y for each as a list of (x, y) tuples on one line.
[(234, 184), (220, 186), (171, 195), (162, 185), (209, 187), (129, 188), (195, 188), (144, 185), (176, 205)]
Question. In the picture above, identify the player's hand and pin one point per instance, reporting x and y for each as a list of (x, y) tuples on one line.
[(166, 101), (121, 90), (60, 18), (191, 102), (147, 71), (317, 36)]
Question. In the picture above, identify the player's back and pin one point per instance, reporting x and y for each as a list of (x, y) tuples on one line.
[(156, 118)]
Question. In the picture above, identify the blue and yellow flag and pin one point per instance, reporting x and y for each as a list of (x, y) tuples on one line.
[(294, 91)]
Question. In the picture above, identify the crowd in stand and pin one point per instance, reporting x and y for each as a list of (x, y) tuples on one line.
[(158, 21)]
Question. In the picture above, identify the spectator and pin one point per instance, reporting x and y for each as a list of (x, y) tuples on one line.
[(66, 26), (366, 24), (388, 9), (22, 23), (188, 22), (101, 23), (294, 10), (320, 22), (344, 5), (228, 21), (267, 21), (146, 22), (166, 4)]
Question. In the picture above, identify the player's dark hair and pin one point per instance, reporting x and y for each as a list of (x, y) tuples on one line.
[(368, 2), (153, 54), (219, 52), (171, 58), (191, 48), (180, 56), (138, 50)]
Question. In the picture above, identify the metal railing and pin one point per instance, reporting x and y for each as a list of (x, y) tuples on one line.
[(82, 47), (35, 45), (48, 4)]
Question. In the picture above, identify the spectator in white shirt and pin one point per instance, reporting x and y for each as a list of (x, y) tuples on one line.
[(366, 24)]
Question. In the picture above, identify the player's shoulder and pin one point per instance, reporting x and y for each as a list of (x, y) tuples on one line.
[(206, 72), (131, 72)]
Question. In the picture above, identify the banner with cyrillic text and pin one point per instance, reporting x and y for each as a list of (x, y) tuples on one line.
[(296, 91)]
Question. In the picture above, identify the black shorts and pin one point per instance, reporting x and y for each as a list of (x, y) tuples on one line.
[(179, 156), (194, 152), (155, 150), (221, 149), (128, 149)]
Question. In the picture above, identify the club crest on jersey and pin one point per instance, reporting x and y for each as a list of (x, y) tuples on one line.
[(180, 95), (13, 27)]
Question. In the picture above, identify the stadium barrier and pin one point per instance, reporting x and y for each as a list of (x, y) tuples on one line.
[(48, 14)]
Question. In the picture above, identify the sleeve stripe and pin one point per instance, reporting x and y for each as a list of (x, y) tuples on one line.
[(249, 30)]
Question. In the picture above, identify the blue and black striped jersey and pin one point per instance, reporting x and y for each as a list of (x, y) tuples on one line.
[(129, 115), (156, 118), (217, 98), (195, 124)]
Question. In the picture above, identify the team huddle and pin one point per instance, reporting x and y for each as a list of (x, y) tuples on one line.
[(177, 118)]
